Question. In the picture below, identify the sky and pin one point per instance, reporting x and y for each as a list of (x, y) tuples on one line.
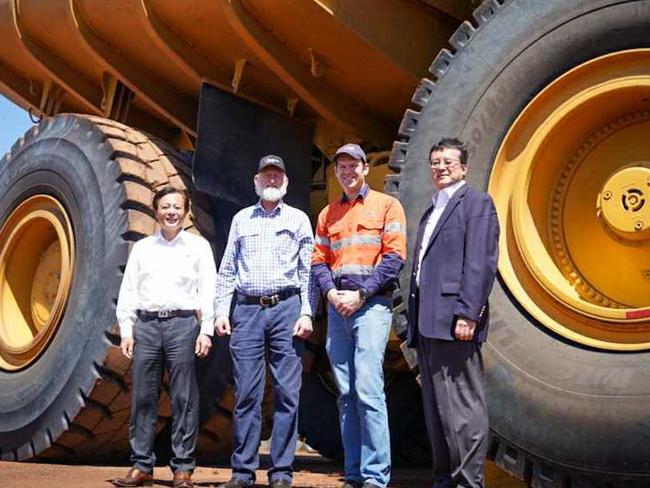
[(14, 122)]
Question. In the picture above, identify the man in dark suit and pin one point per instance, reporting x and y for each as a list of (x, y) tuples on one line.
[(454, 267)]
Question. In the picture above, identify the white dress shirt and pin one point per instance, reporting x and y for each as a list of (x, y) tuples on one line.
[(439, 200), (168, 275)]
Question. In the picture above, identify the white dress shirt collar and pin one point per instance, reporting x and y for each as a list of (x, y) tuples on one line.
[(441, 197), (439, 201), (179, 238)]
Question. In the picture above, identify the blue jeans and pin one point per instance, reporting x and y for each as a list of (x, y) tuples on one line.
[(258, 332), (356, 346)]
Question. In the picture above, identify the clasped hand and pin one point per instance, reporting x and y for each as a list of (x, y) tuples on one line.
[(345, 302)]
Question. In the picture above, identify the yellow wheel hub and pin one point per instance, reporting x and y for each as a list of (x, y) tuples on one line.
[(571, 182), (36, 264), (624, 203)]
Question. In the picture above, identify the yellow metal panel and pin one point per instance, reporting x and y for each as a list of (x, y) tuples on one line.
[(459, 9), (74, 83), (163, 98), (406, 34), (203, 26), (349, 65), (21, 78), (327, 100), (16, 89)]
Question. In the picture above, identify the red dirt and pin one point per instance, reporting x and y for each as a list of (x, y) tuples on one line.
[(311, 472)]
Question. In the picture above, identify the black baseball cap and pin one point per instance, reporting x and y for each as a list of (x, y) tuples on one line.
[(271, 160)]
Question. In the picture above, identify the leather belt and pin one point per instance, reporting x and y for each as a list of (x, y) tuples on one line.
[(165, 314), (386, 292), (266, 301), (383, 293)]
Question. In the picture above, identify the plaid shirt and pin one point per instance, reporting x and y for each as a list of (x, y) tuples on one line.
[(266, 252)]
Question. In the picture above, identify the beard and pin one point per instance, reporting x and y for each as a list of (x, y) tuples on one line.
[(271, 194)]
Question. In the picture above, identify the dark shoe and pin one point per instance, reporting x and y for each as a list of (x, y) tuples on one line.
[(280, 484), (351, 484), (235, 483), (368, 484), (135, 477), (183, 479), (443, 481)]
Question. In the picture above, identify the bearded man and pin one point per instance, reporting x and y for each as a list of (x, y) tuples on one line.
[(263, 304)]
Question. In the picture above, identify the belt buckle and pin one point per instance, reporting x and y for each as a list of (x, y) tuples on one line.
[(164, 314), (269, 301)]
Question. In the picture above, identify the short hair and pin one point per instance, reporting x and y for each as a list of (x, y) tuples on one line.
[(168, 190), (451, 143)]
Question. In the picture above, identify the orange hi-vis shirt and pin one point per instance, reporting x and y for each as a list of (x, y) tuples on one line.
[(360, 243)]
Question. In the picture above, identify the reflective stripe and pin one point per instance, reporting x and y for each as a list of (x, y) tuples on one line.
[(393, 227), (353, 269), (322, 241), (356, 241)]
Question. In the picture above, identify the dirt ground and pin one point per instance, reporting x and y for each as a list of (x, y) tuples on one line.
[(310, 472)]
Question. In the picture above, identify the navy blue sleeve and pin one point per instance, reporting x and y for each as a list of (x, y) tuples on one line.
[(480, 259), (387, 270)]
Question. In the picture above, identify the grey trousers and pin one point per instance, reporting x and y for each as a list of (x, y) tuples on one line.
[(455, 410), (160, 344)]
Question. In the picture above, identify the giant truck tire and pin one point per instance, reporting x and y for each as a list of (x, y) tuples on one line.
[(319, 422), (553, 98), (75, 193)]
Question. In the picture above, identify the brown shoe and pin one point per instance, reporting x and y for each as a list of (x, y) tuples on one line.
[(280, 484), (183, 479), (134, 478), (235, 483), (351, 484)]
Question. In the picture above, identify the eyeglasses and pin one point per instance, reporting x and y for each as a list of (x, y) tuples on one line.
[(447, 163)]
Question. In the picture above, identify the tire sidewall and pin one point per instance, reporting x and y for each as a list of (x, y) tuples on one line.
[(65, 157)]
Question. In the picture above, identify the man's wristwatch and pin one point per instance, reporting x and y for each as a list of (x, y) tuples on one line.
[(363, 293)]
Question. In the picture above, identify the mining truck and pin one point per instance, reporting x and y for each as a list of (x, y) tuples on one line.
[(552, 96)]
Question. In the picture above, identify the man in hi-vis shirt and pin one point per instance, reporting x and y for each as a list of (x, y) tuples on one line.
[(359, 249)]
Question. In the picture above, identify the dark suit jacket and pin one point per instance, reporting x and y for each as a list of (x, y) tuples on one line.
[(458, 268)]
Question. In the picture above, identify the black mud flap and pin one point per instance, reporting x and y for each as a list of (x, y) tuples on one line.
[(233, 134)]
